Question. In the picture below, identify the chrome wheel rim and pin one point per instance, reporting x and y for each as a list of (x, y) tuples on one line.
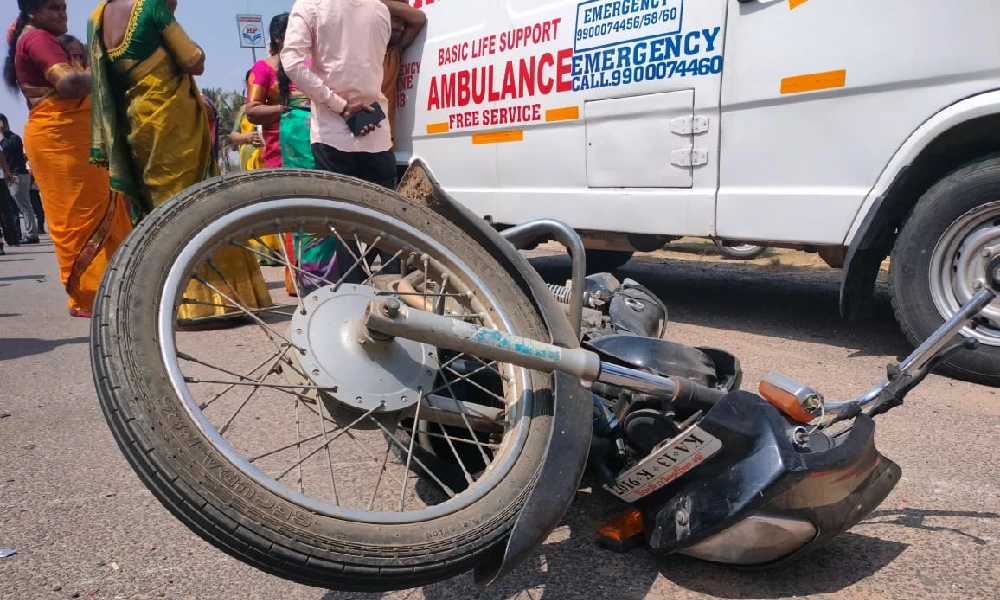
[(271, 217), (957, 268)]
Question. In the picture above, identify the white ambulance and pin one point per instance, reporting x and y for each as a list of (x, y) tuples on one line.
[(858, 129)]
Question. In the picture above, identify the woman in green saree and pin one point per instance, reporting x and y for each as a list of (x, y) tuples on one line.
[(150, 127), (319, 253)]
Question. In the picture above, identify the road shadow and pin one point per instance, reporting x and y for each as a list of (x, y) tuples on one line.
[(790, 302), (14, 278), (917, 519), (849, 559), (12, 348), (554, 573), (7, 315)]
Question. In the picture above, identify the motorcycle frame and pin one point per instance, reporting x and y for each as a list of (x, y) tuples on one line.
[(571, 365)]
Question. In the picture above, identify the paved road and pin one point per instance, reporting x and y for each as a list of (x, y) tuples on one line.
[(84, 527)]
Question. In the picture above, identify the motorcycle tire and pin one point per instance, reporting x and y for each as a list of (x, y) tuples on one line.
[(206, 490)]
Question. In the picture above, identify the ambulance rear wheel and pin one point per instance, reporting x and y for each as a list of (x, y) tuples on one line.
[(938, 264)]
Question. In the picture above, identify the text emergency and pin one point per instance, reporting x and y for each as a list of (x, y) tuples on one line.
[(661, 57)]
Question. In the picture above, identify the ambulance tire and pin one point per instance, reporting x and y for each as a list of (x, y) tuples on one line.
[(927, 265)]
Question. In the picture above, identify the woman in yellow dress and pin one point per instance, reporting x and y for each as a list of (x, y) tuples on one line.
[(151, 129)]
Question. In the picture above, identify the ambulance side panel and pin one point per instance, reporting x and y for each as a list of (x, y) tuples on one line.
[(819, 95), (602, 113)]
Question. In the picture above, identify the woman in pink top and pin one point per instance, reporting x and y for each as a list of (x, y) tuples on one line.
[(264, 105)]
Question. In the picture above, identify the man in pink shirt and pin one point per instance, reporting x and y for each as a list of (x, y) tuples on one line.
[(346, 41)]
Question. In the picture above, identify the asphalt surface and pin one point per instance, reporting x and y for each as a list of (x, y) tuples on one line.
[(83, 526)]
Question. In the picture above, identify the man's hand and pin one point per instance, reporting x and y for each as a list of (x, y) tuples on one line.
[(368, 129), (354, 107), (8, 177)]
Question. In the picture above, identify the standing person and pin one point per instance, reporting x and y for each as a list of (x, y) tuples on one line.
[(264, 109), (20, 187), (10, 228), (247, 138), (276, 103), (76, 50), (152, 131), (36, 203), (407, 23), (263, 104), (318, 253), (87, 222), (347, 42)]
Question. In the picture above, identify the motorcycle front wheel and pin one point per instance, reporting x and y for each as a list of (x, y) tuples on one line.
[(283, 433)]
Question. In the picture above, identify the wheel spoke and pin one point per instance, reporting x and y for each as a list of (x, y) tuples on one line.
[(329, 457), (268, 330), (381, 471), (258, 383), (357, 260), (283, 448), (450, 411), (409, 452), (290, 266), (392, 439), (465, 420), (330, 441)]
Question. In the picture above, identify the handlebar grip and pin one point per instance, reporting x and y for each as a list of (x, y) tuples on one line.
[(689, 393)]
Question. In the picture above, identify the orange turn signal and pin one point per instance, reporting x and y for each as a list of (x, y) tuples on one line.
[(786, 402), (623, 529)]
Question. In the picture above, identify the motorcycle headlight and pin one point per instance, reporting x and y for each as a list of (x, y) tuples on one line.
[(756, 540)]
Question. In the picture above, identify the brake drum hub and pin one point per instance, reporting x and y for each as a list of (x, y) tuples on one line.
[(360, 373)]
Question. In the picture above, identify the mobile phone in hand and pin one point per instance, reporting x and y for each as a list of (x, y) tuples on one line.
[(358, 121)]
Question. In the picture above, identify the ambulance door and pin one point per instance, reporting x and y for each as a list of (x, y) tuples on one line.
[(443, 86), (608, 113), (818, 95)]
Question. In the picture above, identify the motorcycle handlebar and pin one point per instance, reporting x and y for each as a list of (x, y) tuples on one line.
[(676, 391)]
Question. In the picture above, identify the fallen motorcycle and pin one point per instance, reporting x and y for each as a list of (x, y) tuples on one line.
[(426, 405)]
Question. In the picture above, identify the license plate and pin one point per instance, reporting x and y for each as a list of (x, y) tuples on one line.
[(683, 453)]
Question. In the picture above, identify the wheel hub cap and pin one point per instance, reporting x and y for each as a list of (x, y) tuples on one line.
[(338, 355), (958, 268)]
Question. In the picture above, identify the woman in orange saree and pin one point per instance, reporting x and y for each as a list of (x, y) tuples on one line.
[(87, 222)]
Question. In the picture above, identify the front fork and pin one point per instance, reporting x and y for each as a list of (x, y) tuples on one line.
[(390, 317)]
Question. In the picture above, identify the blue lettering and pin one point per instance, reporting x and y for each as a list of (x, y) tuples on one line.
[(623, 56), (656, 50), (609, 59), (673, 44), (593, 62), (690, 48), (639, 54), (577, 65), (710, 35)]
